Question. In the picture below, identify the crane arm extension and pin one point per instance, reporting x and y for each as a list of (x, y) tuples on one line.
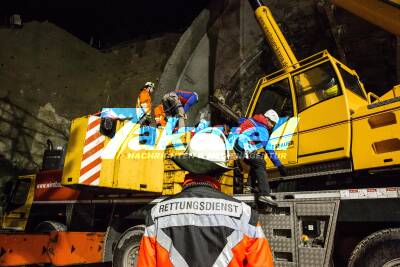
[(274, 35)]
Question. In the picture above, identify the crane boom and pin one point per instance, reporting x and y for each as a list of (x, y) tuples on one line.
[(274, 35)]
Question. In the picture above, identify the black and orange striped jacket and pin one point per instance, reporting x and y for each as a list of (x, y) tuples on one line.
[(203, 227)]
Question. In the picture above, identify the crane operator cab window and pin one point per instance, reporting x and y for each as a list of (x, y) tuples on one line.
[(315, 85), (351, 83), (353, 89), (277, 97)]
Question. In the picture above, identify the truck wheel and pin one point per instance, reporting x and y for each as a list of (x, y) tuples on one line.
[(378, 249), (127, 249), (48, 226)]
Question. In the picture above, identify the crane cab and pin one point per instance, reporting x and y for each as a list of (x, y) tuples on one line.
[(315, 100)]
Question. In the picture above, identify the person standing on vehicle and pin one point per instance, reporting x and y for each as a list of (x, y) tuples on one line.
[(144, 100), (254, 134), (177, 103), (202, 226)]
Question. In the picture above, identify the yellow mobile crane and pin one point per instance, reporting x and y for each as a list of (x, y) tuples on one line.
[(332, 125), (92, 210)]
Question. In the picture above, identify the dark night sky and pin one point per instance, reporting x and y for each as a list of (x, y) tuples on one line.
[(111, 22)]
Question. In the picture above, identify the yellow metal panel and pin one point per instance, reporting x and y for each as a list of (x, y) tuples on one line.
[(171, 189), (73, 157), (324, 144), (142, 170), (170, 166), (107, 173), (354, 100), (16, 219), (227, 178), (174, 176), (108, 165), (227, 189), (324, 131), (324, 114), (376, 141)]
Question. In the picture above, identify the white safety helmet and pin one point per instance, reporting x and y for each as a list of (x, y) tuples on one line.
[(206, 153), (272, 115), (149, 84)]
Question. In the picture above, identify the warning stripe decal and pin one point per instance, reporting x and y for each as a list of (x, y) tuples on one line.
[(91, 159), (93, 144), (91, 155), (92, 138)]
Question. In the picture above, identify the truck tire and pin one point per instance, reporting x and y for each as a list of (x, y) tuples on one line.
[(381, 248), (49, 226), (127, 249)]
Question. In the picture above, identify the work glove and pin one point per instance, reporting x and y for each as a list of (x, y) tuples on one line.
[(282, 170)]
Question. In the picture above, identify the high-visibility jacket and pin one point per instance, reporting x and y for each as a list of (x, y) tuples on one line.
[(259, 121), (203, 227), (187, 98), (159, 115), (144, 101)]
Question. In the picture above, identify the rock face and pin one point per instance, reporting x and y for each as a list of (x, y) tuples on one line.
[(48, 77), (24, 134)]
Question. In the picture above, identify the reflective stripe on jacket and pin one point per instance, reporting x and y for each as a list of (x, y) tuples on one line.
[(203, 227)]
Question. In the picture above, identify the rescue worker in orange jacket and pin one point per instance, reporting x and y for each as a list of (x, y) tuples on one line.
[(202, 226), (159, 115), (144, 99)]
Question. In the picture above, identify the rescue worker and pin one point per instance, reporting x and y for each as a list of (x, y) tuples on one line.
[(202, 226), (144, 99), (144, 103), (177, 103), (159, 116), (255, 132)]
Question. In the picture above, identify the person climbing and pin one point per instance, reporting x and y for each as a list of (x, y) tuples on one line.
[(177, 103), (202, 226), (254, 135)]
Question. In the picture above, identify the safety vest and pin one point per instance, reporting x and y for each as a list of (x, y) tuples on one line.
[(203, 227), (159, 115), (144, 101)]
